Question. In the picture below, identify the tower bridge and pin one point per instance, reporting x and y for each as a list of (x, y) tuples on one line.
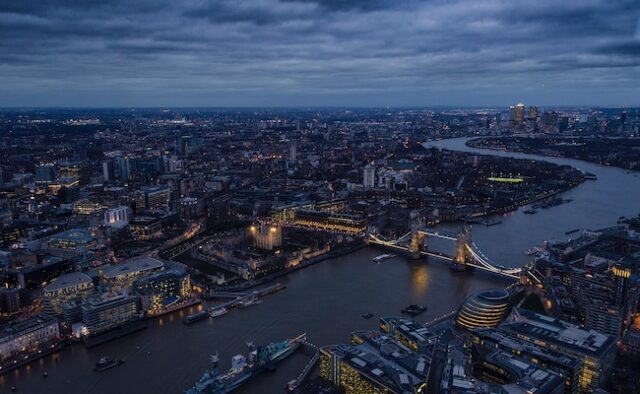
[(467, 253)]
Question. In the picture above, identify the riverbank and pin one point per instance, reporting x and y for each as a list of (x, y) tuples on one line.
[(621, 153), (307, 263), (596, 204)]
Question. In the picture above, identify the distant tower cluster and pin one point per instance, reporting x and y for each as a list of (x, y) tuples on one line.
[(516, 115)]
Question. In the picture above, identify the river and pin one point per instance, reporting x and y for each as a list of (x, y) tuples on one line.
[(325, 300), (596, 204)]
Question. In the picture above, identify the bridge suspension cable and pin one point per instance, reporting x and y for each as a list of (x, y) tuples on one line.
[(486, 263)]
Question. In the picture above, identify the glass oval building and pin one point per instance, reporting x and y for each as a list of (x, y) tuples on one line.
[(486, 308)]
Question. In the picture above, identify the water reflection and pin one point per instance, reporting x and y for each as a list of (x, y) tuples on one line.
[(419, 280)]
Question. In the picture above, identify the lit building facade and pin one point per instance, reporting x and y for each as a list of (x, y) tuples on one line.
[(162, 290), (71, 242), (66, 288), (375, 364), (86, 207), (144, 228), (28, 336), (596, 351), (486, 308), (189, 208), (339, 222), (104, 311), (122, 276), (117, 217)]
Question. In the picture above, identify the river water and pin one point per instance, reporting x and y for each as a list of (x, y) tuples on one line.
[(326, 301), (596, 204)]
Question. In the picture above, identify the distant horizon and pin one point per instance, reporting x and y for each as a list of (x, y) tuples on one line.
[(315, 107)]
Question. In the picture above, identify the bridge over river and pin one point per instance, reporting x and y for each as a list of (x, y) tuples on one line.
[(467, 254)]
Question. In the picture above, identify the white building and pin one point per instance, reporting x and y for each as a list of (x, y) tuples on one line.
[(117, 217), (369, 180)]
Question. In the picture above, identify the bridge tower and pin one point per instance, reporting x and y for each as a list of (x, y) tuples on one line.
[(462, 256), (417, 237), (416, 243)]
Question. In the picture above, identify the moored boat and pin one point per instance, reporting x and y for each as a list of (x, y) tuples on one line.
[(249, 301), (189, 319), (107, 363), (244, 368), (380, 258), (218, 311)]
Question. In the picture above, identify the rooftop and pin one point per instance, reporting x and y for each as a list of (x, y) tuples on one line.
[(28, 324), (76, 234), (69, 280), (560, 332), (137, 265)]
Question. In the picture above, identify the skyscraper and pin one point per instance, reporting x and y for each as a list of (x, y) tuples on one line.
[(123, 167), (621, 274), (293, 152), (369, 180), (519, 114), (107, 171)]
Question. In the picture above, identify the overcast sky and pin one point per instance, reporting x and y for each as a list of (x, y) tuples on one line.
[(319, 52)]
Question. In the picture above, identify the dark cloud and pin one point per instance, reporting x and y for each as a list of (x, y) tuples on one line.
[(322, 52)]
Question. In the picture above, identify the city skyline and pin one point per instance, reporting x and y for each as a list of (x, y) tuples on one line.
[(361, 250), (274, 53)]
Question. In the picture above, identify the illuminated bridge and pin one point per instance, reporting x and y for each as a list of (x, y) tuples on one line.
[(467, 255)]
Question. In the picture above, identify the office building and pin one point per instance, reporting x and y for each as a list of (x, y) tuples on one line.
[(86, 207), (108, 171), (519, 114), (104, 311), (189, 208), (293, 152), (621, 275), (415, 336), (144, 228), (71, 242), (374, 364), (159, 292), (45, 270), (603, 317), (369, 177), (486, 341), (122, 276), (154, 197), (25, 337), (333, 221), (10, 299), (595, 350), (123, 168), (66, 288)]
